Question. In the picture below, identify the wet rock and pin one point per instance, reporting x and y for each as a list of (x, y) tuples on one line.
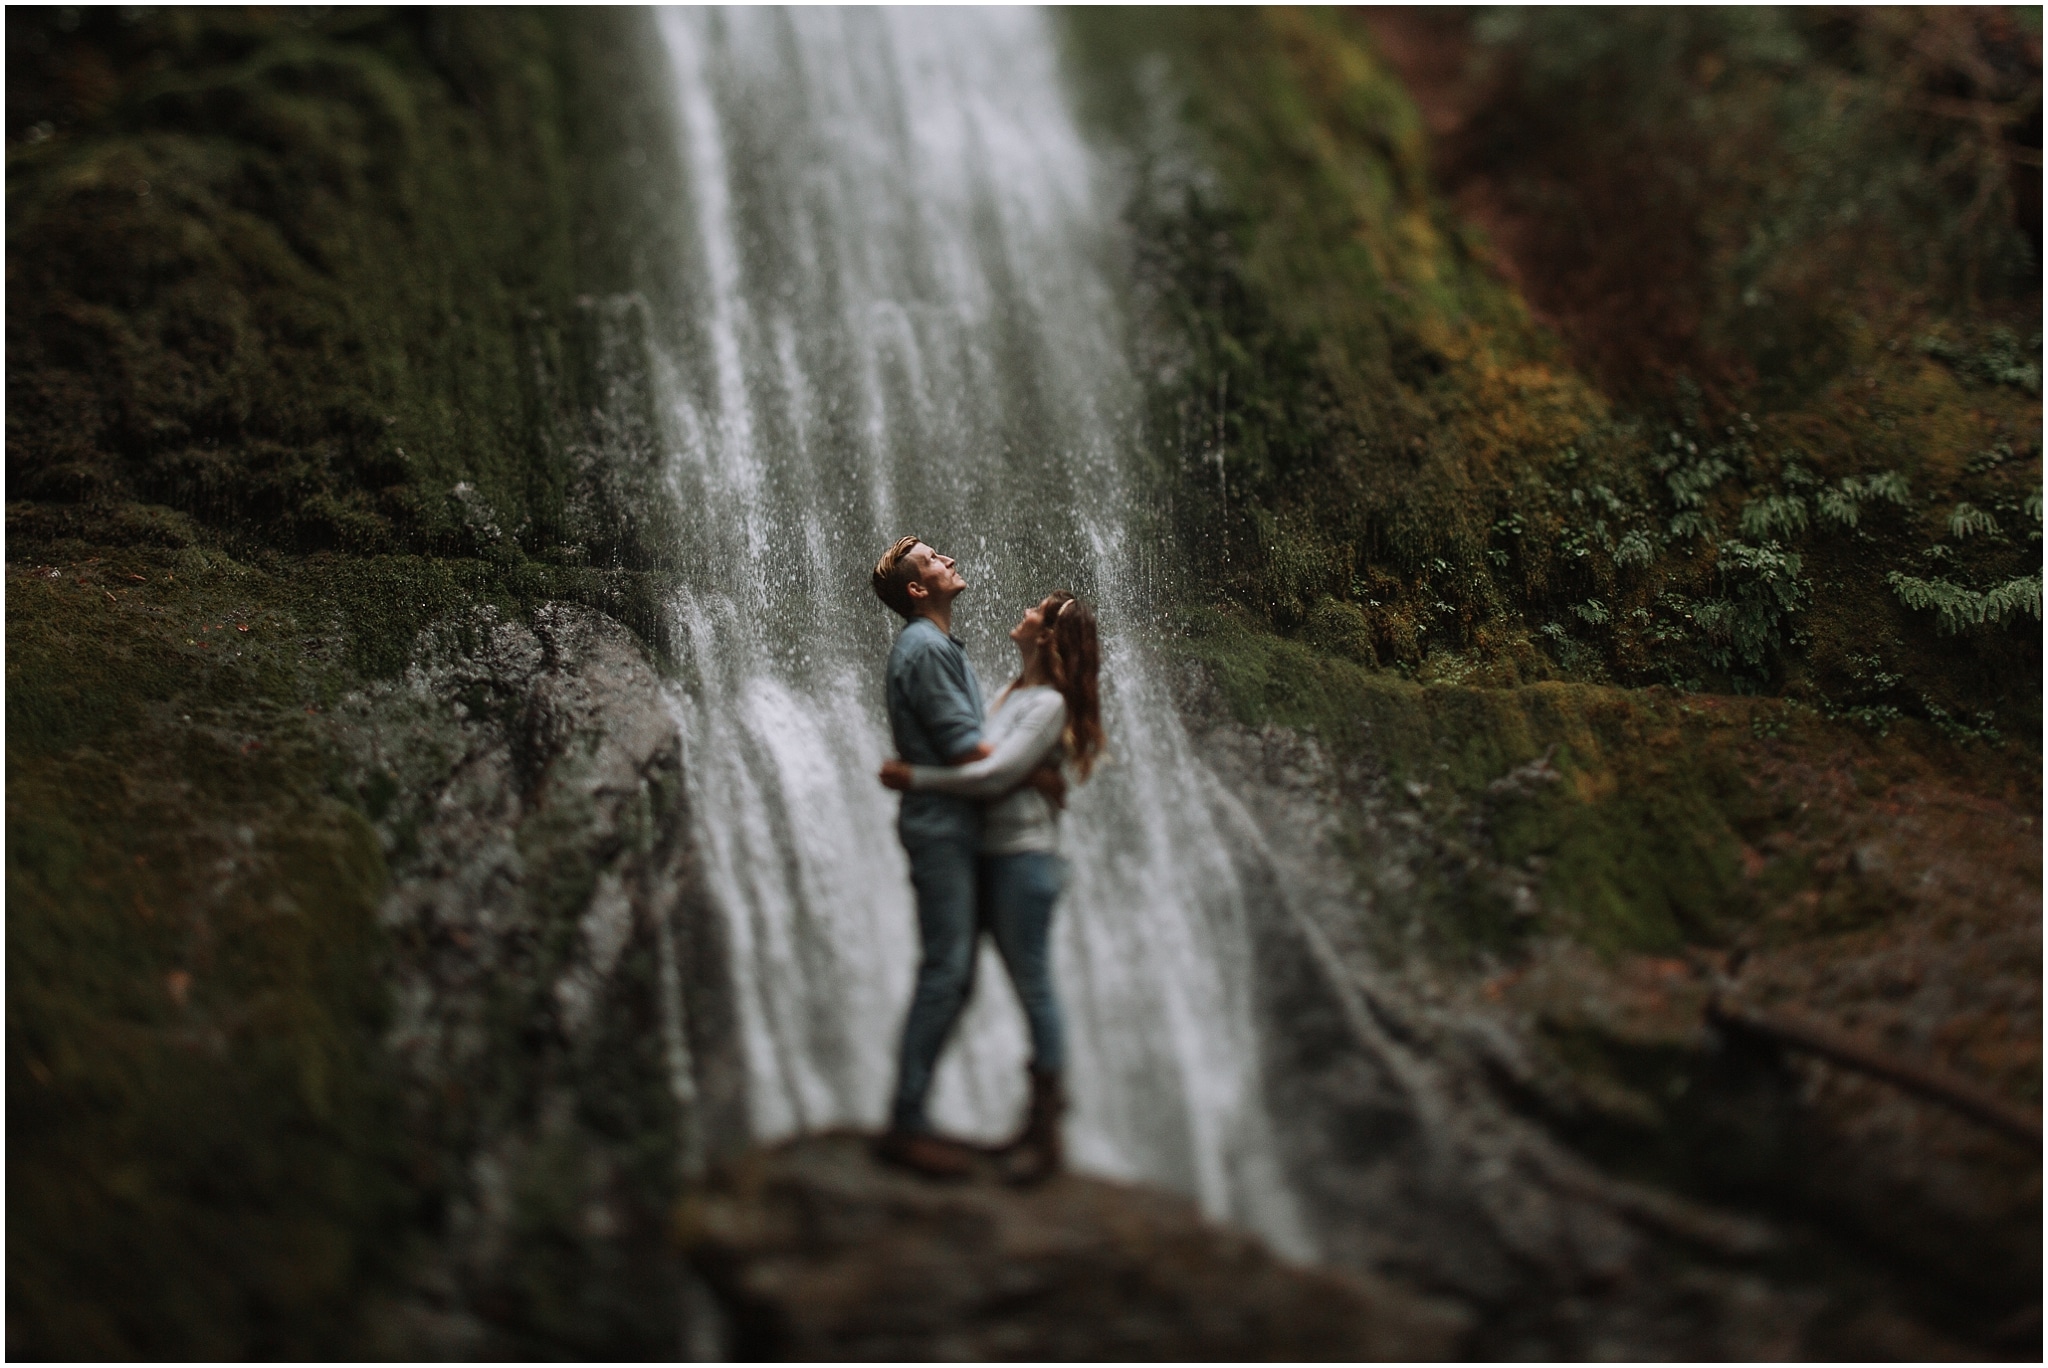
[(525, 778), (817, 1251), (1551, 1136)]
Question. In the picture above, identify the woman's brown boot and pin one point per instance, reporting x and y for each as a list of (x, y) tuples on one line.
[(923, 1152), (1038, 1154)]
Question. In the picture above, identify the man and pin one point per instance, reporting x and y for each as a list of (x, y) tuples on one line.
[(935, 715)]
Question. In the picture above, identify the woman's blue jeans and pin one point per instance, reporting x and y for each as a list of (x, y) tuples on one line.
[(1017, 894), (958, 894)]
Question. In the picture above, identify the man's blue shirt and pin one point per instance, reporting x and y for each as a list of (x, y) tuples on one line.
[(935, 713)]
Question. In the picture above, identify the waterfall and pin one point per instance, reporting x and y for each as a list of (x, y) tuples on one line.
[(896, 315)]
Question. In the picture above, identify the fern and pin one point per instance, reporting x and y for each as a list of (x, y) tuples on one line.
[(2015, 596), (1967, 521), (1715, 617), (1952, 601), (1592, 611), (1955, 729), (1764, 589), (1770, 568), (1989, 459), (1633, 549), (1570, 654), (1693, 524), (1961, 607), (1836, 506), (1774, 515), (1842, 503), (2003, 361), (1691, 483)]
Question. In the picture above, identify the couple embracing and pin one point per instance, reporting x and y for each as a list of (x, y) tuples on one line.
[(982, 793)]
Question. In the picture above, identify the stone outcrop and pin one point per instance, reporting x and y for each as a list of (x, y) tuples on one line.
[(1567, 1143), (814, 1250), (547, 940)]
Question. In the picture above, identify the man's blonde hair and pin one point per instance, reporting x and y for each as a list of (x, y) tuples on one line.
[(893, 574)]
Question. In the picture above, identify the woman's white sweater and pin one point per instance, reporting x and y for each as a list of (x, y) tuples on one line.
[(1023, 732)]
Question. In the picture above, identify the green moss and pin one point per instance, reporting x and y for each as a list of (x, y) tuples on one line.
[(1371, 445), (305, 315), (205, 1156), (316, 284), (1637, 839), (203, 1153)]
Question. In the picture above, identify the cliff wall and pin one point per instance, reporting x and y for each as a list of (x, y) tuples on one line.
[(1582, 432), (330, 628)]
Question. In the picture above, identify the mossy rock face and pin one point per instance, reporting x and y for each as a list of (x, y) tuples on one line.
[(1546, 884), (205, 1154), (561, 1036), (203, 822), (311, 337), (326, 284), (1654, 638), (1354, 403), (1622, 809)]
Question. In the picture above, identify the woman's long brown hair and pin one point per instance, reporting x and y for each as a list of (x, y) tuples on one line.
[(1073, 659)]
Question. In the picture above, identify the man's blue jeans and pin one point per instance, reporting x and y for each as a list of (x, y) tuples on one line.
[(943, 874), (1016, 893)]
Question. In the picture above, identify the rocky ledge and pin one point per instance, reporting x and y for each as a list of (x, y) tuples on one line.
[(814, 1250)]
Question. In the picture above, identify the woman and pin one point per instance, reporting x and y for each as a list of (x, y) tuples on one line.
[(1051, 713)]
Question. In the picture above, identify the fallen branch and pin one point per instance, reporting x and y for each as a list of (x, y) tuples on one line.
[(1928, 1080)]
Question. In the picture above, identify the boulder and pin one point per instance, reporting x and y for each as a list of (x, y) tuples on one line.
[(815, 1250)]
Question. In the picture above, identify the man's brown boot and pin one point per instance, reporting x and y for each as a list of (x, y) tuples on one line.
[(1038, 1153), (923, 1152)]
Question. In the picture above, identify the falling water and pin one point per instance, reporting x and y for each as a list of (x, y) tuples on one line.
[(897, 317)]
